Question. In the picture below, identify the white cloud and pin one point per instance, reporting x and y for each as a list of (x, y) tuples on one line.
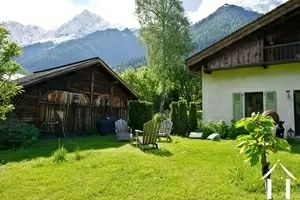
[(120, 11), (207, 7), (44, 13), (52, 13)]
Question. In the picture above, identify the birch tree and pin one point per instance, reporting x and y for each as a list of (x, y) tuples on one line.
[(165, 32)]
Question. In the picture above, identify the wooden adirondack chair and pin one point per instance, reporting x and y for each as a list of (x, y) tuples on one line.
[(150, 134), (165, 129), (123, 132)]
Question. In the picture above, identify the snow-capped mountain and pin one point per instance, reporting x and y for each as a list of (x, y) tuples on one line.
[(260, 6), (79, 26), (82, 25), (86, 23), (24, 34)]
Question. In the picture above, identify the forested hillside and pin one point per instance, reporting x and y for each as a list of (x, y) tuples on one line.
[(219, 24), (112, 45), (216, 26), (134, 63)]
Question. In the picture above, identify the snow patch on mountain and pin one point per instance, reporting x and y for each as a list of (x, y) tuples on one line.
[(82, 25), (79, 26), (24, 34), (259, 5)]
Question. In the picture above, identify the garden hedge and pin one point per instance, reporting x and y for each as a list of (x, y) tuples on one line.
[(182, 117), (174, 116), (193, 121), (139, 113)]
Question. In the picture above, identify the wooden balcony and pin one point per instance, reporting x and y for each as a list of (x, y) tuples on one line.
[(282, 53)]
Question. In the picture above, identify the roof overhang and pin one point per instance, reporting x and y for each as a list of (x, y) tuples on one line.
[(43, 75)]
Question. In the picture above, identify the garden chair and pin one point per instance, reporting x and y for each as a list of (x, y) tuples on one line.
[(165, 129), (123, 131), (149, 134)]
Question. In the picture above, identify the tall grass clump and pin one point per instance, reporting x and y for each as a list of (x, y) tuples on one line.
[(59, 155), (78, 154)]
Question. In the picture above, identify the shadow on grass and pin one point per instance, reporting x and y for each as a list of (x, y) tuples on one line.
[(159, 152), (295, 145), (164, 141), (295, 148), (45, 147), (154, 151)]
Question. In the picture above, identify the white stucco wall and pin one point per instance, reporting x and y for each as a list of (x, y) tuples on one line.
[(219, 86)]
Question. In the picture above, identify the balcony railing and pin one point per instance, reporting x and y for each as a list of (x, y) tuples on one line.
[(282, 52)]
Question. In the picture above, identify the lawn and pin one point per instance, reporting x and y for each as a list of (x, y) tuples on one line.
[(183, 169)]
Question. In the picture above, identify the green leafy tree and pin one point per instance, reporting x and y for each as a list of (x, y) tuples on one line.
[(8, 89), (260, 140), (165, 32), (189, 86), (143, 81)]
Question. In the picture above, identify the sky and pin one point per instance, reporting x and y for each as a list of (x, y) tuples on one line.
[(49, 14)]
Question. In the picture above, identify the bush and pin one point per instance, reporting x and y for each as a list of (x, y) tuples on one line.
[(209, 128), (226, 131), (182, 117), (174, 116), (139, 113), (193, 121), (16, 134), (234, 132)]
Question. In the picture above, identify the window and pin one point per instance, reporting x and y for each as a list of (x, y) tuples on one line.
[(254, 102)]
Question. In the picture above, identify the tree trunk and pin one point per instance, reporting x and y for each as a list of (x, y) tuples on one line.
[(162, 97), (265, 168), (163, 89)]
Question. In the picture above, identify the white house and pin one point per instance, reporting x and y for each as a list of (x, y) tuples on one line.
[(254, 69)]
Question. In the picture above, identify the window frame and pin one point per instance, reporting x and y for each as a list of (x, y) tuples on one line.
[(245, 105)]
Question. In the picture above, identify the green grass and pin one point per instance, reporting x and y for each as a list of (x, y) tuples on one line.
[(100, 168)]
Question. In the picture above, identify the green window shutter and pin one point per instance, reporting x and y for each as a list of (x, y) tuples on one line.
[(270, 101), (237, 106)]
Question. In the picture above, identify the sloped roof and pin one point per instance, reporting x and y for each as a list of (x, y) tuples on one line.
[(40, 76), (248, 29)]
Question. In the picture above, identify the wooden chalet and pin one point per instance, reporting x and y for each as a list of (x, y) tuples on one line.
[(273, 38), (254, 69), (70, 98)]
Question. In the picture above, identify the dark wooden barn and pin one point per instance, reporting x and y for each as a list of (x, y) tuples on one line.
[(70, 98)]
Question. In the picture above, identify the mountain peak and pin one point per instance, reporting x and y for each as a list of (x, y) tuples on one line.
[(81, 25), (226, 6), (87, 14)]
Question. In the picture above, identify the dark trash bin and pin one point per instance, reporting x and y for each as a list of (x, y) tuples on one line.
[(106, 125)]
